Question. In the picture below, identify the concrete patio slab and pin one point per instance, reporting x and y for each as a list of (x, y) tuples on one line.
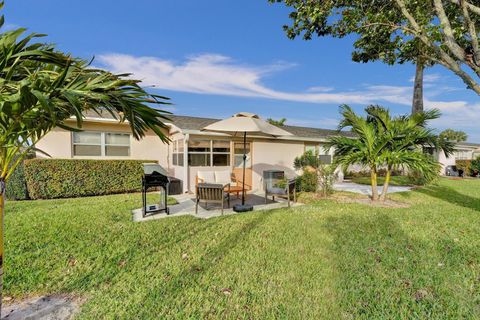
[(366, 189), (186, 206)]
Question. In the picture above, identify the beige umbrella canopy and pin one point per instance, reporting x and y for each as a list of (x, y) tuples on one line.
[(244, 123)]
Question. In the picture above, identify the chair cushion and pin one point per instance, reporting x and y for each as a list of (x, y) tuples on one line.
[(206, 176), (280, 191), (223, 177)]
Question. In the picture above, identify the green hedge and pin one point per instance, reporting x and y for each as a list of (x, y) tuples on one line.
[(63, 178), (16, 188)]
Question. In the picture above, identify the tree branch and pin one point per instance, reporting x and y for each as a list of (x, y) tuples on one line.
[(443, 57), (473, 8), (457, 51), (471, 27)]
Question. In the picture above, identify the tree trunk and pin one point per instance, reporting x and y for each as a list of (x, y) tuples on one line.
[(373, 178), (383, 196), (417, 103)]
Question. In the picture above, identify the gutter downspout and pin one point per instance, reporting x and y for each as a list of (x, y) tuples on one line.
[(186, 169)]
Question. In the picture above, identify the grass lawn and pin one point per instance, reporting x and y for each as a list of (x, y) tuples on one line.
[(324, 260), (395, 180)]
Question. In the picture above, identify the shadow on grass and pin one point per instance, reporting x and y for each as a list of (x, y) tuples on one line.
[(176, 285), (452, 196), (383, 273)]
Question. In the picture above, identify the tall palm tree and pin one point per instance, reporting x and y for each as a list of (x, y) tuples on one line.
[(383, 141), (41, 88)]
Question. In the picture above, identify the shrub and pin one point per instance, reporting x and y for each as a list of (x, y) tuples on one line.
[(465, 166), (326, 178), (307, 182), (475, 166), (16, 188), (63, 178)]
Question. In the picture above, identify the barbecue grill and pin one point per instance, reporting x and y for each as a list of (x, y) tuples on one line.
[(154, 176)]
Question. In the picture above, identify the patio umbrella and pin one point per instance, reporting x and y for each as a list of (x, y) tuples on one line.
[(241, 124)]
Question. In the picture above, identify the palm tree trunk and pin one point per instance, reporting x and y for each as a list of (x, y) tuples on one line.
[(383, 196), (373, 179), (417, 103)]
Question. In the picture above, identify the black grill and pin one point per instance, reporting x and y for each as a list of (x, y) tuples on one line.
[(155, 177)]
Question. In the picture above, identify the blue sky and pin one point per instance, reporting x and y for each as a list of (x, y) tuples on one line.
[(215, 58)]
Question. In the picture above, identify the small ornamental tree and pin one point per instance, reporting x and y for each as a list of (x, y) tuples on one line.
[(383, 141)]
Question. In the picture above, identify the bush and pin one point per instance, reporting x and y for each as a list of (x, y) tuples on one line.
[(465, 166), (63, 178), (475, 166), (16, 188), (307, 182)]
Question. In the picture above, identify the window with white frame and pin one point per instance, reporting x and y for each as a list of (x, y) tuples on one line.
[(220, 153), (199, 153), (206, 153), (101, 144), (178, 147), (323, 155)]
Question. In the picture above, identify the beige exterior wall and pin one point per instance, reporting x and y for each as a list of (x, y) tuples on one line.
[(274, 154), (58, 144)]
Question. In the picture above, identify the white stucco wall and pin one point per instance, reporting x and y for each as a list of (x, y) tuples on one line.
[(58, 144)]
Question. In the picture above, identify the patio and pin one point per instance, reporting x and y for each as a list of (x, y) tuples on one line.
[(186, 206)]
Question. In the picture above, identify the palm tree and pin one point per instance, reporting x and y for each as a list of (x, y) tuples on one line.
[(408, 137), (383, 141), (365, 149), (41, 88)]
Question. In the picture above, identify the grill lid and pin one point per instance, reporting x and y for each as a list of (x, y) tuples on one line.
[(153, 168)]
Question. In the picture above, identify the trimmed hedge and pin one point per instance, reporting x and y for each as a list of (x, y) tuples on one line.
[(64, 178), (16, 188)]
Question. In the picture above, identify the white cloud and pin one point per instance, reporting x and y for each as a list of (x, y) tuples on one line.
[(220, 75), (429, 78)]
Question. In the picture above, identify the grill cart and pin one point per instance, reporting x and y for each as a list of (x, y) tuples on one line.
[(154, 176)]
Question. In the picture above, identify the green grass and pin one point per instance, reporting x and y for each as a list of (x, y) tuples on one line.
[(395, 181), (325, 260)]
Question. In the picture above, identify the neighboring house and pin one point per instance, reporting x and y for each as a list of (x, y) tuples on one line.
[(463, 151), (191, 149)]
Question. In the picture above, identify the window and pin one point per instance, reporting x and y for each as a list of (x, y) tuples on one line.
[(206, 153), (117, 144), (98, 144), (311, 148), (221, 153), (238, 155), (177, 154), (199, 153)]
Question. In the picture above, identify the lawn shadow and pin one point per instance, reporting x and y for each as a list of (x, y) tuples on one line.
[(452, 196), (192, 272), (382, 272)]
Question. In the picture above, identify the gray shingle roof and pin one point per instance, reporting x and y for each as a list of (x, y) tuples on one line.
[(196, 123)]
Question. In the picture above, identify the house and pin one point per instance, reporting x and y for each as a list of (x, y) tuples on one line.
[(190, 151), (463, 151)]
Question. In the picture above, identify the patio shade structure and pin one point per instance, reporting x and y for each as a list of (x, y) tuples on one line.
[(241, 124)]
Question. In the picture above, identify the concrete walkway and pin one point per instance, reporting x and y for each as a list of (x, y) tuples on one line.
[(366, 189), (186, 206)]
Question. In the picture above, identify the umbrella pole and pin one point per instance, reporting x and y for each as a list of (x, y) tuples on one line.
[(244, 164)]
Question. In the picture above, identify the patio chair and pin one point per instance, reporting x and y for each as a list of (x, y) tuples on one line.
[(287, 191), (213, 193)]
